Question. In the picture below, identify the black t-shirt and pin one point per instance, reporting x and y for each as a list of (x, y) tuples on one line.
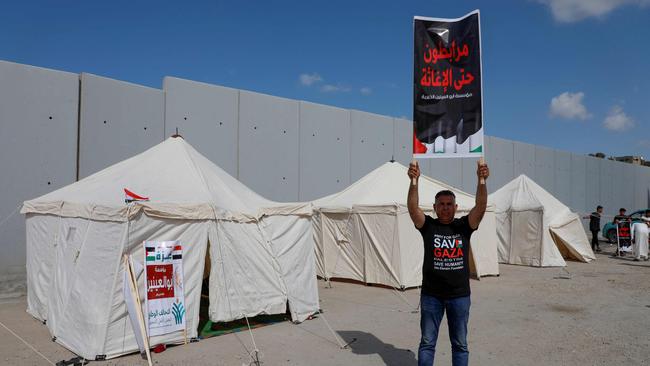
[(445, 271), (594, 221), (620, 218)]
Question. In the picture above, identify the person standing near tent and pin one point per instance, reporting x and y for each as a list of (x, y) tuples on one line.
[(623, 232), (445, 270), (640, 237), (594, 227), (621, 215)]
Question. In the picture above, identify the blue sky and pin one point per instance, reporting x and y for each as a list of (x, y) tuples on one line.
[(568, 74)]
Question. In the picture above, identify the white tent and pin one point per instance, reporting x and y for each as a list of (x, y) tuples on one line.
[(535, 228), (365, 233), (261, 252)]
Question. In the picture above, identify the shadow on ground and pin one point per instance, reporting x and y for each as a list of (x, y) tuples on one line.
[(362, 343)]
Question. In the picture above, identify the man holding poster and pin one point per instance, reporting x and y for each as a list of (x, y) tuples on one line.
[(445, 269), (447, 122), (447, 95)]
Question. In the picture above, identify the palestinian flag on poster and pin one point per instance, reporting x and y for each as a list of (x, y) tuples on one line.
[(447, 93), (150, 253), (162, 251)]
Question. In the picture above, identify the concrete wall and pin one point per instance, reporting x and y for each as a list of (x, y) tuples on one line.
[(38, 153), (286, 150), (118, 120)]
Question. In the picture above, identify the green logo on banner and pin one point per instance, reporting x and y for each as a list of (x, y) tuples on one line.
[(178, 311)]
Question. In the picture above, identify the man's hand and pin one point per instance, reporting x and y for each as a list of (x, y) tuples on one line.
[(482, 171), (477, 212), (412, 201), (414, 171)]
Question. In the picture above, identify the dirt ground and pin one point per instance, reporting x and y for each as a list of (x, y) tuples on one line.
[(585, 314)]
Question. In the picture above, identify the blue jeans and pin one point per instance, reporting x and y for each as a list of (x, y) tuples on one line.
[(433, 309)]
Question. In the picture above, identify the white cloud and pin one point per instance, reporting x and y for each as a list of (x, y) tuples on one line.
[(310, 79), (365, 90), (569, 106), (329, 88), (617, 120), (568, 11)]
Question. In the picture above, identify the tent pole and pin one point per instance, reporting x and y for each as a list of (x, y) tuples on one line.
[(133, 286)]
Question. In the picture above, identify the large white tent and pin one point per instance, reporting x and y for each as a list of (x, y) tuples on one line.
[(365, 233), (261, 252), (535, 228)]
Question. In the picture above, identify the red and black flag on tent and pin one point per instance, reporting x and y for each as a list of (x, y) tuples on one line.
[(447, 95), (131, 197)]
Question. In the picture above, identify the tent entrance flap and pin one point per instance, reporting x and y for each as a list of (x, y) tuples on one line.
[(567, 250), (204, 303), (526, 237)]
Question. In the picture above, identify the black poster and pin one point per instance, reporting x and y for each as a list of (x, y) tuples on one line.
[(447, 101)]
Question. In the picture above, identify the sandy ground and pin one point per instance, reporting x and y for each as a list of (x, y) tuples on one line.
[(527, 316)]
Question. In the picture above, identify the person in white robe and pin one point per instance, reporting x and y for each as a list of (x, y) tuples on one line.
[(640, 239)]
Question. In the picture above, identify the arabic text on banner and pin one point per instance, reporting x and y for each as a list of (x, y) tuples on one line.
[(164, 281), (448, 104)]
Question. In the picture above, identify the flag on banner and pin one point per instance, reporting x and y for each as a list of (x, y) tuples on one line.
[(447, 95), (164, 280)]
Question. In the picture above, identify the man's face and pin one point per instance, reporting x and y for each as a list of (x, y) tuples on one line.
[(600, 210), (621, 212), (445, 208)]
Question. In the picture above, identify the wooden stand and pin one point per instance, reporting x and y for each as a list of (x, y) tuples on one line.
[(133, 286)]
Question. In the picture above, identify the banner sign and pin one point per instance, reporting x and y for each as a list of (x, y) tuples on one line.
[(447, 95), (624, 233), (164, 281)]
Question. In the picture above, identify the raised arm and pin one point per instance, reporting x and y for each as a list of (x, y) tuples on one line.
[(413, 200), (477, 212)]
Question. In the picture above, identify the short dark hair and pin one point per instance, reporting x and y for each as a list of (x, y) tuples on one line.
[(445, 192), (622, 209), (599, 207)]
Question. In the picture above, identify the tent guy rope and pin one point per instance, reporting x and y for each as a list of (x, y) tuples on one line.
[(28, 345), (10, 215)]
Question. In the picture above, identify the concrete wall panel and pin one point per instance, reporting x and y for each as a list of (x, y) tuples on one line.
[(38, 153), (403, 144), (468, 172), (524, 157), (371, 142), (447, 170), (618, 184), (499, 154), (592, 184), (118, 120), (562, 190), (578, 183), (206, 116), (324, 150), (642, 187), (269, 145), (626, 186), (545, 168), (607, 188)]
